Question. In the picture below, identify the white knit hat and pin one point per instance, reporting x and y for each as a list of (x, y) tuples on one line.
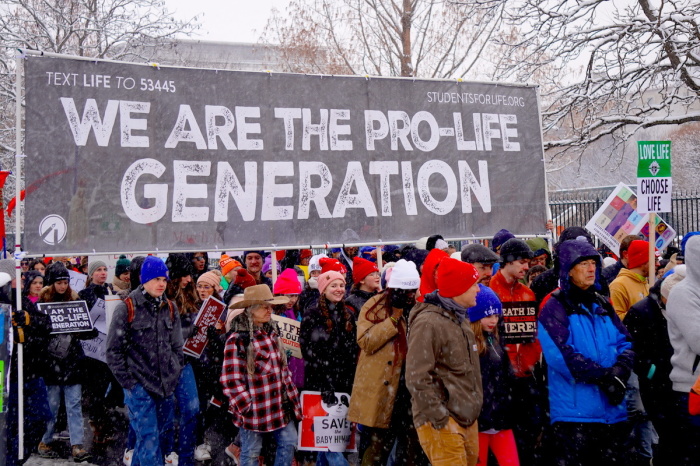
[(404, 275), (314, 262), (672, 280)]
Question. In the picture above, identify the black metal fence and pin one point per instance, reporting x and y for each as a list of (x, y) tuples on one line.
[(576, 207)]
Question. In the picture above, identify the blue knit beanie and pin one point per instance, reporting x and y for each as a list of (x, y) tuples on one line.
[(153, 267), (487, 304)]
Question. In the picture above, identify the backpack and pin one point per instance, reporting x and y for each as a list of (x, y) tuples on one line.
[(130, 309)]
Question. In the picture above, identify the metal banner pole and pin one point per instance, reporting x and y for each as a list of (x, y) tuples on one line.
[(18, 270)]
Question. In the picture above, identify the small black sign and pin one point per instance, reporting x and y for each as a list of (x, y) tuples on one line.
[(519, 322), (67, 317)]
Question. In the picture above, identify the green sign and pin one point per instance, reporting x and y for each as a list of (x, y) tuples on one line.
[(654, 159)]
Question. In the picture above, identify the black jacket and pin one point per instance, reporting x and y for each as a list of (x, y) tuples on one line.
[(497, 378), (357, 299), (330, 356), (649, 330)]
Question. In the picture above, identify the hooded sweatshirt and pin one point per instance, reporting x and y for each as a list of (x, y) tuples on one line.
[(683, 315), (627, 290)]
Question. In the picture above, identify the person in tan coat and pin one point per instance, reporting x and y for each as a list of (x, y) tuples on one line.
[(380, 404), (442, 368)]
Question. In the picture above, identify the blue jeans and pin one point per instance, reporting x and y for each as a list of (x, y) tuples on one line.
[(187, 401), (251, 444), (331, 458), (152, 419), (72, 396)]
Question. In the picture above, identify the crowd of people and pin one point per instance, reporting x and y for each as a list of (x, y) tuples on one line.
[(415, 345)]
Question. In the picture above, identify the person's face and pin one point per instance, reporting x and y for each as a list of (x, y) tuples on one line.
[(36, 286), (305, 261), (40, 267), (314, 273), (156, 287), (99, 276), (253, 262), (539, 260), (125, 277), (61, 286), (489, 323), (25, 265), (198, 261), (371, 282), (516, 269), (293, 298), (351, 251), (204, 290), (262, 314), (186, 280), (485, 272), (583, 274), (468, 298), (335, 291), (533, 276)]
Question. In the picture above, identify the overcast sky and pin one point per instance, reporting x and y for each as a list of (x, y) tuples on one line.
[(226, 20)]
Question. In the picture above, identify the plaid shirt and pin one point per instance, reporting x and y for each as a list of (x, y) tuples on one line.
[(257, 400)]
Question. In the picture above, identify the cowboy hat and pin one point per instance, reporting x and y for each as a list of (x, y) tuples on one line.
[(258, 294)]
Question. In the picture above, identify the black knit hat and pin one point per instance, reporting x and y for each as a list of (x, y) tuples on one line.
[(56, 271), (515, 249), (179, 266), (135, 271)]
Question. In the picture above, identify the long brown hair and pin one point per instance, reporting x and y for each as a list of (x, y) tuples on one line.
[(186, 298), (347, 316), (478, 330)]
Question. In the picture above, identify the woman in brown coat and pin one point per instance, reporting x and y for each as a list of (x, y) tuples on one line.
[(380, 403)]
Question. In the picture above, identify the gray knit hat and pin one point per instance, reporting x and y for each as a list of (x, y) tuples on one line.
[(8, 266), (670, 281), (92, 266)]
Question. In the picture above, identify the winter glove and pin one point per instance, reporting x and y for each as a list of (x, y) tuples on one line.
[(613, 387), (328, 397), (20, 319), (212, 333)]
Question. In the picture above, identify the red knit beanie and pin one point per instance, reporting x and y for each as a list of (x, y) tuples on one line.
[(328, 263), (361, 268), (287, 283), (455, 277), (637, 254), (427, 278), (244, 279)]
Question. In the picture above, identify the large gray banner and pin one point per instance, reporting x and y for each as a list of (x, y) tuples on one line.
[(124, 157)]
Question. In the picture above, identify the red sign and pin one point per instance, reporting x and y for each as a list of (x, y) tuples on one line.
[(326, 427), (209, 314)]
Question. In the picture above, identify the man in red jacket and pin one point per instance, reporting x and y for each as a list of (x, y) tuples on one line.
[(515, 262)]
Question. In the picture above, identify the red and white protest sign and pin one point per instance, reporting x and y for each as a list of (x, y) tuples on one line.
[(209, 314), (326, 427)]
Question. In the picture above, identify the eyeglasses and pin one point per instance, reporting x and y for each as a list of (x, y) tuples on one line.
[(198, 258)]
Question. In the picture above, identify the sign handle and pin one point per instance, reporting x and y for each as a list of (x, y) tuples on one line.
[(652, 252), (273, 255)]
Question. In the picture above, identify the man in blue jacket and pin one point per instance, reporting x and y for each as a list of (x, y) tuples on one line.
[(589, 357)]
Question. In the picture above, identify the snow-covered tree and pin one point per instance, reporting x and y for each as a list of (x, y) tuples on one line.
[(115, 29), (615, 67), (422, 38)]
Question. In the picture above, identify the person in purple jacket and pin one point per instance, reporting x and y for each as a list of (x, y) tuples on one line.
[(288, 285)]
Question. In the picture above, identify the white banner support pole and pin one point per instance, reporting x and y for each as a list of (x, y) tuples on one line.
[(18, 250), (652, 252)]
